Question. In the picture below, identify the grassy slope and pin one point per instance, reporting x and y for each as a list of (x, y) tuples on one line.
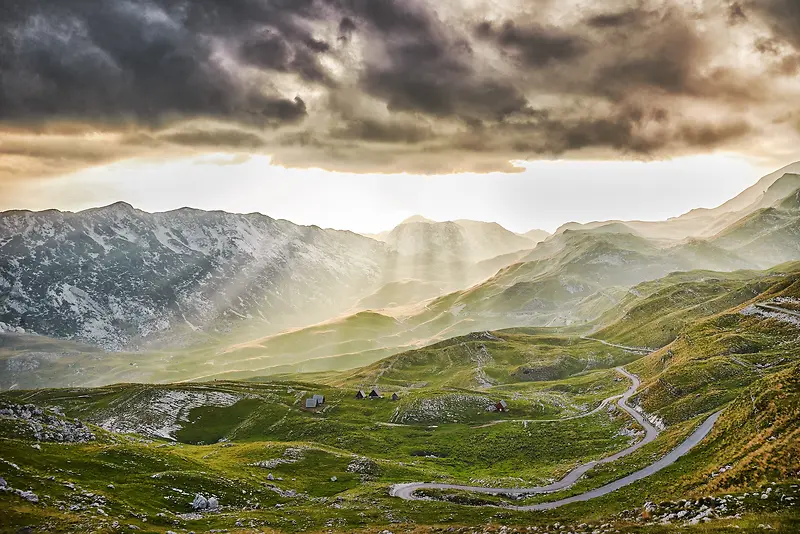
[(653, 313), (496, 358), (713, 359), (716, 356), (696, 373)]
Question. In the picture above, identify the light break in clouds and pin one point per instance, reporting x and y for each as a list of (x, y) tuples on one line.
[(545, 195)]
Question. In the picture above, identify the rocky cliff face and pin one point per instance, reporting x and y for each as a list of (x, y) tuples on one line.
[(121, 278)]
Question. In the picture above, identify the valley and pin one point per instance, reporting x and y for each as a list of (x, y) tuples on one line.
[(608, 378), (271, 463), (422, 285)]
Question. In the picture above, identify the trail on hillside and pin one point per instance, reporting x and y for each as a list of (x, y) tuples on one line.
[(623, 347), (408, 491), (777, 309), (599, 407)]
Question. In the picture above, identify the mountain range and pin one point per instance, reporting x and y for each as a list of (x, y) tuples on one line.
[(190, 293)]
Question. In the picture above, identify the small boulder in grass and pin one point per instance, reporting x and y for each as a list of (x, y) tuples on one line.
[(334, 479), (213, 503), (199, 502), (28, 496)]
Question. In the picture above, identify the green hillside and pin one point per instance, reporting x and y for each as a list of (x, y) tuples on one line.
[(485, 359), (713, 359), (730, 342), (654, 313)]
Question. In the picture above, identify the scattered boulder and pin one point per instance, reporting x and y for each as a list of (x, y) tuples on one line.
[(199, 502), (27, 495), (213, 503), (47, 425), (363, 466)]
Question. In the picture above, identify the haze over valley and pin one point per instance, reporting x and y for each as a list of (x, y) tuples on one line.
[(190, 294)]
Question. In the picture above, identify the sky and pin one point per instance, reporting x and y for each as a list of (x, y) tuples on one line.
[(618, 109), (544, 195)]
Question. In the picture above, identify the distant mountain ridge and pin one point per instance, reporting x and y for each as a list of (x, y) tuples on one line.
[(705, 222), (117, 276), (464, 239), (467, 240), (569, 280), (248, 290)]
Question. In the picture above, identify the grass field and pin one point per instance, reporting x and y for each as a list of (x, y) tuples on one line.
[(274, 465)]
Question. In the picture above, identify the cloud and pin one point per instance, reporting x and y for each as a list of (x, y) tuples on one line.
[(783, 16), (222, 137), (391, 85), (534, 45), (148, 62)]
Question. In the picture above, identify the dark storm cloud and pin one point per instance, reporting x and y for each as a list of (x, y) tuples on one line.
[(630, 130), (211, 136), (346, 28), (618, 19), (142, 61), (782, 15), (534, 45), (736, 13), (666, 57), (381, 85), (781, 49), (372, 130), (429, 68)]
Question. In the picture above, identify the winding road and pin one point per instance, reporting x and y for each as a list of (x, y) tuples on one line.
[(408, 491)]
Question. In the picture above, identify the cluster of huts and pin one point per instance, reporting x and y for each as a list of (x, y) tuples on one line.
[(374, 394), (315, 401)]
